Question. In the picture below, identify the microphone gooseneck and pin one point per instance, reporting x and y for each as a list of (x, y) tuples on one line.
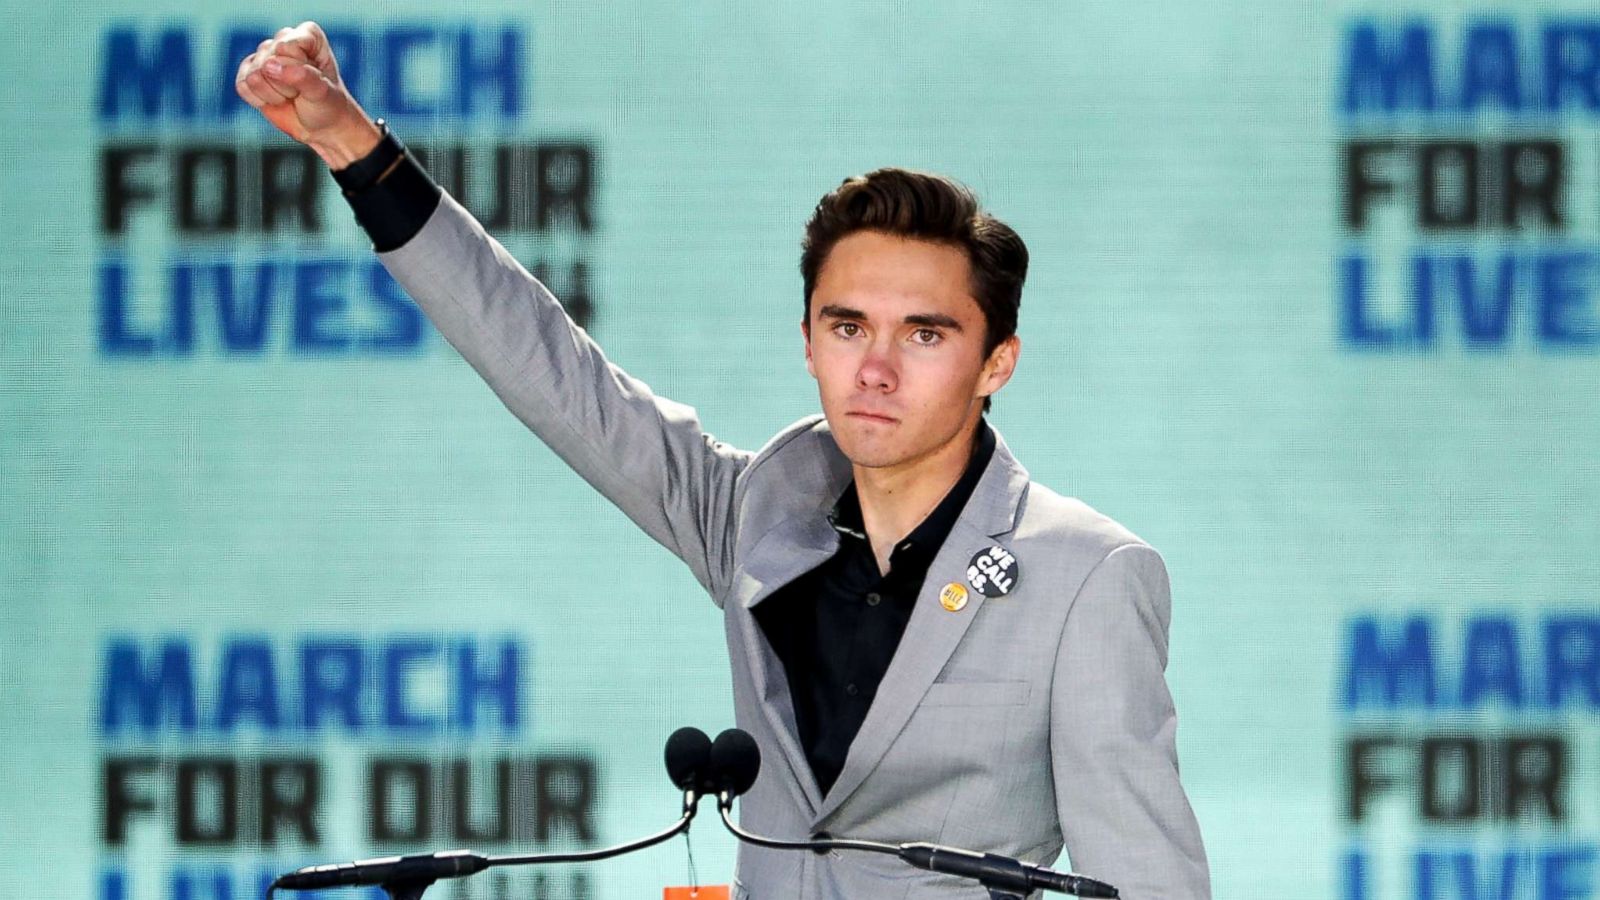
[(688, 758), (736, 760), (427, 868), (812, 845)]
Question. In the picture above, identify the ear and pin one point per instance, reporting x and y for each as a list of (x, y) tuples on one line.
[(805, 332), (998, 368)]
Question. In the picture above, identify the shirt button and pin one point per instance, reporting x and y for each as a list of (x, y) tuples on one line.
[(851, 689), (873, 599)]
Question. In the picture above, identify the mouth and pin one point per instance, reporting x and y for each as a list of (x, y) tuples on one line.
[(872, 417)]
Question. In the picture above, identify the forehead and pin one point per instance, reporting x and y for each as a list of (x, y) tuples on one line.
[(871, 270)]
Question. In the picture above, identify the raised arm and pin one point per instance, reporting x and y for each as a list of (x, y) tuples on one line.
[(648, 455)]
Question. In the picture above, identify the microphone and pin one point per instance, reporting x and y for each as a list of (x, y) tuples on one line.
[(689, 765), (736, 760), (735, 763), (1000, 871), (424, 867)]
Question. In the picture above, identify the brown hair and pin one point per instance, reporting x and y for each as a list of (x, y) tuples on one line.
[(928, 207)]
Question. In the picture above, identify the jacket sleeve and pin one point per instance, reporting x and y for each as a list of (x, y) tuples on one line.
[(646, 454), (1124, 816)]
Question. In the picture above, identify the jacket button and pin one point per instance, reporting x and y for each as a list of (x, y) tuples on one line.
[(851, 689), (873, 599), (821, 836)]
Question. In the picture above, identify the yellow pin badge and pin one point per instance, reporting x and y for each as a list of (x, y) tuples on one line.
[(954, 596)]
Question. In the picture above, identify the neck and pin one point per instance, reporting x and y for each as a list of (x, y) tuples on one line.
[(895, 499)]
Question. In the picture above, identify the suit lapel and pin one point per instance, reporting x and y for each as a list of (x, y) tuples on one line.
[(796, 546), (933, 632)]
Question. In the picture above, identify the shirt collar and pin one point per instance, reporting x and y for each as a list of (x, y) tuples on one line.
[(925, 540)]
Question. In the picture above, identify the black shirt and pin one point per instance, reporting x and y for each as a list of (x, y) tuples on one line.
[(837, 626)]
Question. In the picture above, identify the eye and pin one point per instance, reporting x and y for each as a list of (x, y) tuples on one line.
[(847, 329), (926, 336)]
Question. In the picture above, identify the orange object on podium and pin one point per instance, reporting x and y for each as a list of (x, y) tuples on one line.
[(703, 892)]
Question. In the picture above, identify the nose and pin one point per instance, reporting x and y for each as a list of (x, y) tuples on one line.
[(878, 371)]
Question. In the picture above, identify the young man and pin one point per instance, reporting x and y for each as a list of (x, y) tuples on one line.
[(925, 645)]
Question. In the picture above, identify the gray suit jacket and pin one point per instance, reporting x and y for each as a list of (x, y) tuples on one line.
[(1017, 725)]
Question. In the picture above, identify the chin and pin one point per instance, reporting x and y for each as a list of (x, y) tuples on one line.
[(870, 452), (877, 460)]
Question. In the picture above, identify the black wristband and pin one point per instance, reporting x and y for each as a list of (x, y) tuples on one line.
[(366, 171), (391, 194), (395, 209)]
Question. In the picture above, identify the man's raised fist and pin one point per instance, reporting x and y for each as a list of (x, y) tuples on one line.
[(294, 80)]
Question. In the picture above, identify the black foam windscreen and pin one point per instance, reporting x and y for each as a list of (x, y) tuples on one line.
[(688, 758), (735, 761)]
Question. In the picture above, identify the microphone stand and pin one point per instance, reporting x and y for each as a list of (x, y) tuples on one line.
[(410, 886)]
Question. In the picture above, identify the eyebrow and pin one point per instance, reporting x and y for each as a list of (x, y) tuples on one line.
[(931, 320)]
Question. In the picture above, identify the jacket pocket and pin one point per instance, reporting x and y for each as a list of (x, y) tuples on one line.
[(976, 693)]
